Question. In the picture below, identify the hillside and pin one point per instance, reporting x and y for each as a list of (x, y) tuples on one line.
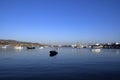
[(18, 43)]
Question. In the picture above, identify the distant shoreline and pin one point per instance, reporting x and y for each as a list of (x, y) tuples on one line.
[(19, 43)]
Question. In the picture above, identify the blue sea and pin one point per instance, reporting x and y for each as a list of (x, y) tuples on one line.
[(68, 64)]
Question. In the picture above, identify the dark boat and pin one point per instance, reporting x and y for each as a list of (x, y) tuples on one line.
[(30, 47), (53, 53)]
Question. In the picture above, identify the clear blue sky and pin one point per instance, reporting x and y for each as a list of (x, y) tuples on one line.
[(60, 20)]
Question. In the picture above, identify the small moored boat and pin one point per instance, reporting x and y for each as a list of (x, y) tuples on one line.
[(53, 53), (30, 47)]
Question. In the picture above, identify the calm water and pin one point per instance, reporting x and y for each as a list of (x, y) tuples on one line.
[(68, 64)]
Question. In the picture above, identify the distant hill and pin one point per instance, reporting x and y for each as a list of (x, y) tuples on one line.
[(19, 43)]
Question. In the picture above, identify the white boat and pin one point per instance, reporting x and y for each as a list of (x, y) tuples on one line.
[(96, 50), (4, 46), (41, 47), (18, 47)]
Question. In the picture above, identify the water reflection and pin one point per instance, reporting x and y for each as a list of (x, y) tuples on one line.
[(18, 50), (41, 64), (96, 50), (117, 51), (112, 51), (52, 55)]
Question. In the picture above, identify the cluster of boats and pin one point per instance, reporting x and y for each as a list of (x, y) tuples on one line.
[(21, 47), (52, 52)]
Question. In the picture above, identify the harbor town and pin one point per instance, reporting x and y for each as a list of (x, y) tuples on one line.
[(30, 45)]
